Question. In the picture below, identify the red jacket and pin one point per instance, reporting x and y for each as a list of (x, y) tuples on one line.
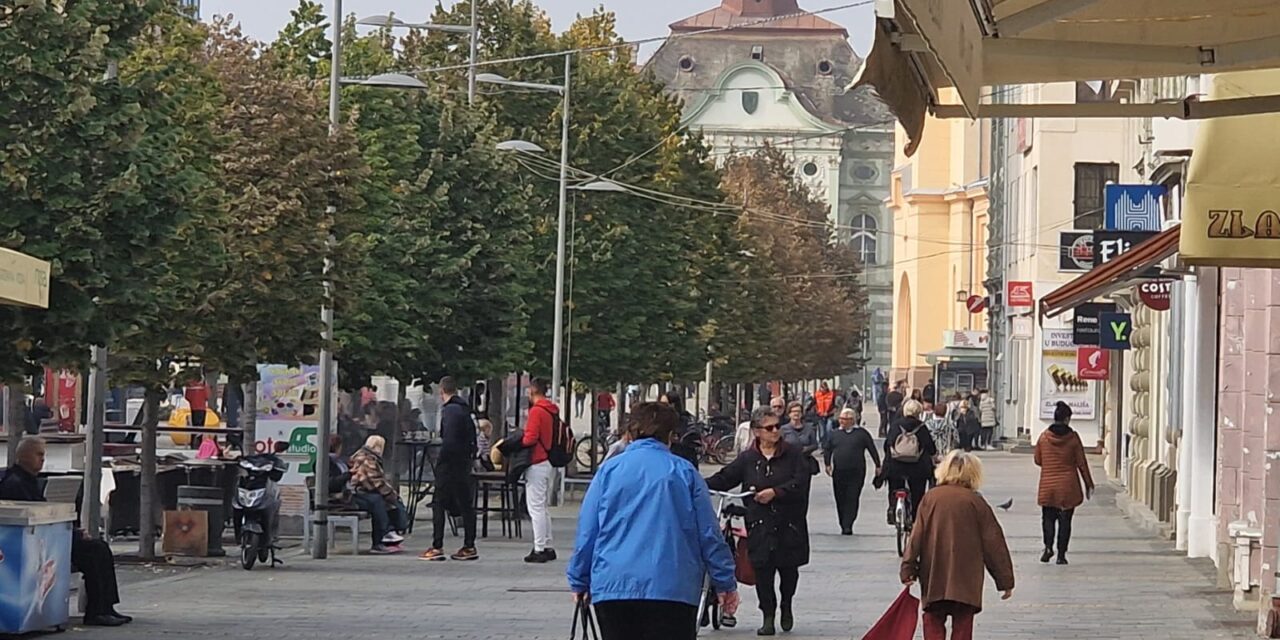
[(538, 430)]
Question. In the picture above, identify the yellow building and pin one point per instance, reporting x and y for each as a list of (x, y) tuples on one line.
[(939, 204)]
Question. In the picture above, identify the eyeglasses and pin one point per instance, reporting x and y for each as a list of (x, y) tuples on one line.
[(770, 427)]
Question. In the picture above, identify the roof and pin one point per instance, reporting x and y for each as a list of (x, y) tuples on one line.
[(770, 15), (1117, 274), (930, 45)]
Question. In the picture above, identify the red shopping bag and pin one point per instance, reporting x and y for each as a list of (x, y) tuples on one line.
[(899, 622), (742, 569)]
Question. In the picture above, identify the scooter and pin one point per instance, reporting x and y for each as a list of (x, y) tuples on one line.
[(257, 507)]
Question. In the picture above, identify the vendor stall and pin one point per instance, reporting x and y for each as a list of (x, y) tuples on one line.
[(35, 565)]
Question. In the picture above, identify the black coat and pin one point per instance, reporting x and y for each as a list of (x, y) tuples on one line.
[(458, 435), (777, 533), (922, 468), (20, 486)]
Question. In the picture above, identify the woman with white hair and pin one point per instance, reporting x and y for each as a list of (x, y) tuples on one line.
[(909, 452), (844, 453), (374, 493)]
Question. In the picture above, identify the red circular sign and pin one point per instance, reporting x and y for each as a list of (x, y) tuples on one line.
[(976, 304), (1156, 294)]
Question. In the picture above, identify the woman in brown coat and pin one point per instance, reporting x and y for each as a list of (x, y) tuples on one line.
[(956, 537), (1060, 455)]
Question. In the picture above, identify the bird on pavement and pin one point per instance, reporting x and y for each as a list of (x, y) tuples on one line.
[(1006, 506)]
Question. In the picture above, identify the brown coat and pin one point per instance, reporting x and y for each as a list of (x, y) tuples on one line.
[(1060, 455), (956, 537)]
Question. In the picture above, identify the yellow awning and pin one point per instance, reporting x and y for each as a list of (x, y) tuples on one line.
[(24, 281), (1230, 214), (972, 44)]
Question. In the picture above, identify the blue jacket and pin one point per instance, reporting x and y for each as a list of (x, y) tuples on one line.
[(647, 531)]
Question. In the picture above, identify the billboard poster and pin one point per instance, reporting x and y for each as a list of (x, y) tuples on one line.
[(1060, 380), (289, 411), (35, 577)]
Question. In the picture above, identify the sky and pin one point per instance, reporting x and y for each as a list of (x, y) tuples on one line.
[(637, 19)]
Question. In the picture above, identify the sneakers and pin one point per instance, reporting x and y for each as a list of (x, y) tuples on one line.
[(392, 538), (540, 557), (433, 555), (1047, 555), (386, 549), (466, 554)]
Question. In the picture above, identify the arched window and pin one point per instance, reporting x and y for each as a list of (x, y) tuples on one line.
[(864, 238)]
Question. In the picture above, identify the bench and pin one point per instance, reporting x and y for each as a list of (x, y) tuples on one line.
[(340, 516)]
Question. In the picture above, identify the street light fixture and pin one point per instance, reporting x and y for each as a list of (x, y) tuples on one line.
[(387, 80), (472, 30), (603, 186), (520, 145), (557, 354)]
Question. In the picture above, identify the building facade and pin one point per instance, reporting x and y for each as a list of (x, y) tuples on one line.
[(191, 5), (940, 206), (781, 80)]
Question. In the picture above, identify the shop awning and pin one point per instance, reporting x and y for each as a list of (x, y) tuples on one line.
[(956, 354), (24, 281), (1114, 275), (923, 46)]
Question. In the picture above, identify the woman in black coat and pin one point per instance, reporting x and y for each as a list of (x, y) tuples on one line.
[(777, 532), (902, 472)]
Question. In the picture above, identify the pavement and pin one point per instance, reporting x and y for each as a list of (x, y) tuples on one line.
[(1120, 584)]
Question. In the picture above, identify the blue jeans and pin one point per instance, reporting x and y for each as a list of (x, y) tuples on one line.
[(382, 516)]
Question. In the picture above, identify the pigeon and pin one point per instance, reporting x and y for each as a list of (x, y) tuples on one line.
[(1006, 506)]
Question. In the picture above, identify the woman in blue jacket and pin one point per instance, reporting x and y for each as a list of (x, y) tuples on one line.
[(647, 535)]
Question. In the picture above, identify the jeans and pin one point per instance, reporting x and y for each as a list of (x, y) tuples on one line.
[(847, 485), (95, 562), (455, 495), (646, 620), (788, 581), (988, 436), (1059, 519), (935, 621), (537, 492), (970, 440), (378, 510)]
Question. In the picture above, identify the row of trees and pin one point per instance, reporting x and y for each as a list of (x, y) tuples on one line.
[(189, 201)]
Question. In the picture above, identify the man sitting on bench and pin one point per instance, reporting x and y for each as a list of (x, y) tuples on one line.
[(92, 558)]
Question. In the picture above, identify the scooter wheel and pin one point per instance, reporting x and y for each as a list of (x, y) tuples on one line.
[(249, 551)]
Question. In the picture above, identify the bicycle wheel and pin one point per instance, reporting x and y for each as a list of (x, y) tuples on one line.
[(726, 450), (900, 523), (587, 451), (715, 614)]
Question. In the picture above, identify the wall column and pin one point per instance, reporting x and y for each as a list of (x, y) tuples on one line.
[(1200, 428)]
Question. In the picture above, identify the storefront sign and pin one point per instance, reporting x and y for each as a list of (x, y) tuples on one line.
[(1059, 380), (1116, 331), (965, 339), (24, 281), (1093, 363), (1075, 251), (1020, 294), (289, 411), (1024, 328), (1086, 327), (976, 304), (1156, 294), (1135, 207)]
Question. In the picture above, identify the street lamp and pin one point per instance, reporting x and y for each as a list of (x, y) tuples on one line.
[(387, 81), (472, 30), (557, 355)]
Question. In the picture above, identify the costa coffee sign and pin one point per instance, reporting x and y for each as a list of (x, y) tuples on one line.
[(1156, 294)]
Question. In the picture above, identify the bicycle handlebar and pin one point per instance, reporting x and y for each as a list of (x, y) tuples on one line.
[(733, 496)]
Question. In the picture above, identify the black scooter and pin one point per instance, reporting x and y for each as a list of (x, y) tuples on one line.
[(257, 508)]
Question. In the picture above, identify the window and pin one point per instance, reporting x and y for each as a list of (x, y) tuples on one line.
[(1091, 184), (1095, 91), (757, 52), (826, 68), (810, 169), (863, 240), (686, 63)]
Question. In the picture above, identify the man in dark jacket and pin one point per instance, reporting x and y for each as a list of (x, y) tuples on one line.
[(91, 557), (454, 483), (845, 456)]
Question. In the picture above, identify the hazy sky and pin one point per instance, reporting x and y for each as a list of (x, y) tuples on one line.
[(636, 18)]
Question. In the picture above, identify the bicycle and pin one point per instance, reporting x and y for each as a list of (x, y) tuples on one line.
[(589, 450), (709, 613), (903, 518)]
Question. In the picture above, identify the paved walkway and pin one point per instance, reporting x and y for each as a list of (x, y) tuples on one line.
[(1121, 584)]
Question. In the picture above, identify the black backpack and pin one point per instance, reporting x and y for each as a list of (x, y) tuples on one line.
[(561, 451)]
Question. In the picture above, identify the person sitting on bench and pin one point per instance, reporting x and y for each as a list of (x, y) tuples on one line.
[(91, 557)]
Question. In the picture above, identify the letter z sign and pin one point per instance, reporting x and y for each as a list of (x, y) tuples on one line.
[(1115, 331)]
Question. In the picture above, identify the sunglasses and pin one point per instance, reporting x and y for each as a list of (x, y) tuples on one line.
[(770, 427)]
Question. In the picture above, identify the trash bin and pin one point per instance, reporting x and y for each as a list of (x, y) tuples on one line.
[(35, 566), (209, 500)]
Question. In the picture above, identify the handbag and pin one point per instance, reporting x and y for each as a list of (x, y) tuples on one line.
[(742, 569), (584, 620), (900, 621)]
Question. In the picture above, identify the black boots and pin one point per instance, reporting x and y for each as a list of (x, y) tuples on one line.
[(1062, 558), (767, 629), (788, 620), (1047, 555)]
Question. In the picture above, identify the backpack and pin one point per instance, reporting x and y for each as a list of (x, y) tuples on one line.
[(561, 451), (907, 447)]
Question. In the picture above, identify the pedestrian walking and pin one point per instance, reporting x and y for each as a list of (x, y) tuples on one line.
[(987, 417), (824, 404), (455, 483), (375, 494), (968, 427), (845, 456), (882, 404), (929, 394), (579, 399), (777, 529), (893, 403), (956, 537), (942, 428), (909, 453), (544, 417), (1063, 466), (803, 436), (647, 535)]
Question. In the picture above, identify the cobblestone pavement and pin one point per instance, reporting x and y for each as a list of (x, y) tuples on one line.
[(1121, 584)]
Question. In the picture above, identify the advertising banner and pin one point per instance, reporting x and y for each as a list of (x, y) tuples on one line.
[(1075, 251), (289, 411), (1086, 325), (35, 577), (1093, 363), (1109, 245), (1134, 207), (1116, 331), (1060, 381), (1020, 294)]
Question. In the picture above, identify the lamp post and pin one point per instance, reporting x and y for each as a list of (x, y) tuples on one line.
[(473, 30), (557, 355)]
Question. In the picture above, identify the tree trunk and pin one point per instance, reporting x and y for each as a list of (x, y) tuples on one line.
[(148, 489), (15, 418), (249, 416), (496, 404)]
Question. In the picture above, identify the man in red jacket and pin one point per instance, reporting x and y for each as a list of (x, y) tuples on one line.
[(537, 434)]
